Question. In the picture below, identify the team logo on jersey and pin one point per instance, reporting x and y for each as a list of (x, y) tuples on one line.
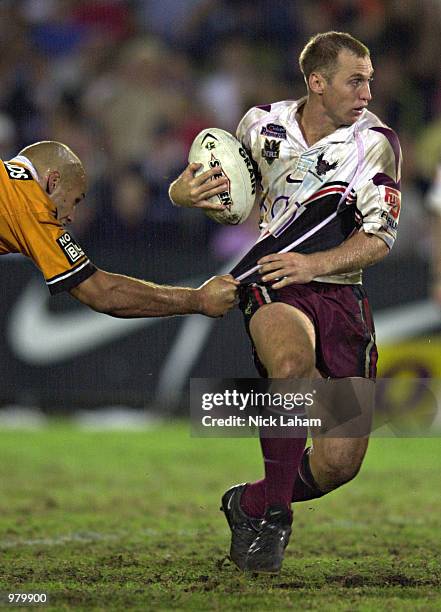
[(274, 130), (271, 150), (70, 248), (322, 166), (18, 173)]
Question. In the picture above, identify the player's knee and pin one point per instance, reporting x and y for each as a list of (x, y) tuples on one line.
[(338, 471), (299, 365)]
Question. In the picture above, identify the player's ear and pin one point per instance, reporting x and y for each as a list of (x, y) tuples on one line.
[(53, 181), (316, 83)]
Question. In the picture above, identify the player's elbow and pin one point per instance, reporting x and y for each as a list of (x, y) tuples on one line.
[(96, 292), (385, 250), (382, 250), (379, 248), (100, 303)]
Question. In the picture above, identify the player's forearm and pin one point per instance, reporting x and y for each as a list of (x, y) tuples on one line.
[(360, 251), (131, 298), (125, 297)]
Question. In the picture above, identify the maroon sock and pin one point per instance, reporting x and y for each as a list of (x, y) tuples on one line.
[(305, 487), (252, 501), (282, 457)]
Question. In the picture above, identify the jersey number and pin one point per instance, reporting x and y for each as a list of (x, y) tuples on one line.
[(17, 172)]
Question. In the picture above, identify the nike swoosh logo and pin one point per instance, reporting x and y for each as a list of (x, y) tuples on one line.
[(291, 180), (40, 337)]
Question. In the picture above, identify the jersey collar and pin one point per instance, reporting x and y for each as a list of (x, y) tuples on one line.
[(339, 135), (24, 161)]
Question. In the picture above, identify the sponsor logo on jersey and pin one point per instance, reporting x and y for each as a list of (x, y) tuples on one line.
[(271, 150), (390, 221), (323, 166), (393, 198), (290, 179), (18, 173), (70, 248), (274, 130)]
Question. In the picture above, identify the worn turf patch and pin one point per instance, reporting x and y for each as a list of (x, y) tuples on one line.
[(130, 520)]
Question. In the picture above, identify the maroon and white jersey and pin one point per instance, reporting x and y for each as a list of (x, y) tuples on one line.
[(316, 197)]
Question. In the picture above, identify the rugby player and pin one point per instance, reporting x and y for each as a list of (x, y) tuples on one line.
[(40, 189), (330, 179)]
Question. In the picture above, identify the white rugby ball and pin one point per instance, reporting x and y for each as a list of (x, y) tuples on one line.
[(215, 147)]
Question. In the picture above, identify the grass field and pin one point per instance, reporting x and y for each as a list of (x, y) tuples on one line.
[(130, 520)]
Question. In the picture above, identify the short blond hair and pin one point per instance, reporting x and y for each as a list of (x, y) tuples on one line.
[(321, 53)]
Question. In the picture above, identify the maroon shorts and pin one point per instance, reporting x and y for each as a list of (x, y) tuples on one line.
[(342, 319)]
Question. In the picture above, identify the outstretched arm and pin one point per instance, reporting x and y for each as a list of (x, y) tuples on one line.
[(126, 297)]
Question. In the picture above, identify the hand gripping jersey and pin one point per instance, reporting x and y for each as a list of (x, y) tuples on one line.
[(28, 225), (316, 197)]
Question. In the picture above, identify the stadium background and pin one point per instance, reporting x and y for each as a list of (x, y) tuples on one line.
[(128, 84), (119, 520)]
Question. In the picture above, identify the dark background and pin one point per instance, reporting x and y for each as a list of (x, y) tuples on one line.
[(128, 84)]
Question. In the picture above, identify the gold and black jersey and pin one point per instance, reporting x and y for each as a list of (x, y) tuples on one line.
[(28, 225)]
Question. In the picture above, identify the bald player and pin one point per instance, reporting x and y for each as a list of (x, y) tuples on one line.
[(40, 189)]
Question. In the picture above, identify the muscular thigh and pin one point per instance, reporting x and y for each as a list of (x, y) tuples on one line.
[(284, 339)]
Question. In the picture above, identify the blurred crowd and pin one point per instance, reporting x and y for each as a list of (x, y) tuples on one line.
[(129, 83)]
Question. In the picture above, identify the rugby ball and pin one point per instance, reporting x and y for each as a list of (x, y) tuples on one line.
[(215, 147)]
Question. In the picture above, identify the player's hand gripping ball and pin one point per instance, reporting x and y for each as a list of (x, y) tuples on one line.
[(213, 148)]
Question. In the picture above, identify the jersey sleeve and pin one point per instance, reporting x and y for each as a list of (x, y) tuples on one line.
[(53, 250), (378, 189), (246, 135), (243, 129)]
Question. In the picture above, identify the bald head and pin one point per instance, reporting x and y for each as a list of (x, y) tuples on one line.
[(48, 156), (60, 174)]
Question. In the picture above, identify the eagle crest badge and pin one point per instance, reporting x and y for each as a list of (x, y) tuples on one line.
[(323, 166)]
